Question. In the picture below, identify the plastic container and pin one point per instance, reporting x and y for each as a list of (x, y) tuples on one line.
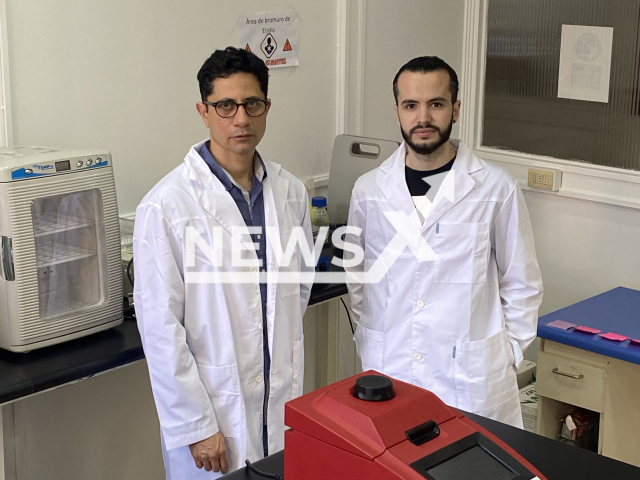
[(126, 234), (319, 214)]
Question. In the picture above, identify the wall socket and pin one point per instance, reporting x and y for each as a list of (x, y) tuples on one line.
[(545, 179)]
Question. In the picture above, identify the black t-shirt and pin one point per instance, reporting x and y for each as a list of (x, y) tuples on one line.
[(417, 179)]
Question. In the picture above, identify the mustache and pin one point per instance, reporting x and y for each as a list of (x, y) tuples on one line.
[(426, 125)]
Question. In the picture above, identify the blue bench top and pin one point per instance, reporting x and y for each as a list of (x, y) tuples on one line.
[(616, 311)]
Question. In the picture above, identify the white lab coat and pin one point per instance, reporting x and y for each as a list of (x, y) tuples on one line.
[(203, 342), (458, 321)]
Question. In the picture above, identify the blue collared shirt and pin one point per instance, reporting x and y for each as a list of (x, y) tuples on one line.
[(251, 206)]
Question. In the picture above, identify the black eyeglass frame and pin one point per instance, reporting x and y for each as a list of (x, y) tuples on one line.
[(215, 107)]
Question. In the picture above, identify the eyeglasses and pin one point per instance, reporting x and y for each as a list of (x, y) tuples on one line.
[(227, 108)]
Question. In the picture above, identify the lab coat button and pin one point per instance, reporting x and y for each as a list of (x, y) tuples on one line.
[(423, 251), (420, 304), (260, 325), (259, 378), (418, 356), (254, 269)]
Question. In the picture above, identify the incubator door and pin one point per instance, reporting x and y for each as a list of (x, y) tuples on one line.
[(70, 252)]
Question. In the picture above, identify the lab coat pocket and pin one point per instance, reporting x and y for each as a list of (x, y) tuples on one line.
[(223, 386), (369, 344), (297, 363), (490, 378), (463, 252)]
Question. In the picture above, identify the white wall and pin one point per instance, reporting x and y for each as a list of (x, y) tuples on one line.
[(393, 34), (584, 248), (121, 75)]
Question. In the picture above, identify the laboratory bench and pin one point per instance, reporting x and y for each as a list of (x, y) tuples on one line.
[(24, 374), (578, 367), (48, 412), (555, 460)]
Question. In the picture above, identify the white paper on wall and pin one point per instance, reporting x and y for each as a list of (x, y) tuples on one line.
[(272, 36), (585, 63)]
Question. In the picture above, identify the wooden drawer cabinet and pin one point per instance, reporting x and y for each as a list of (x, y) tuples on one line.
[(570, 381), (569, 377)]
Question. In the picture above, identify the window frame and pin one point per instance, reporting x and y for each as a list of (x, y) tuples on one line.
[(6, 131), (597, 183)]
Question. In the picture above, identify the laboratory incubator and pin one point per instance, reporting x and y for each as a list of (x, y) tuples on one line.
[(60, 273)]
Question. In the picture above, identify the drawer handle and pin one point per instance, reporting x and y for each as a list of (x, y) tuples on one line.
[(565, 374)]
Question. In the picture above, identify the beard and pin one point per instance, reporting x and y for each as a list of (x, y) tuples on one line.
[(425, 148)]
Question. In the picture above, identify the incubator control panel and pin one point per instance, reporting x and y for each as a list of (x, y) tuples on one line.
[(21, 163)]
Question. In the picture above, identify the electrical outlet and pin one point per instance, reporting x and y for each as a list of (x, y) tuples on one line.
[(543, 179)]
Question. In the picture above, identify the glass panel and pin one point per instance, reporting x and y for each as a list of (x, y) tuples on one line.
[(522, 110), (70, 251)]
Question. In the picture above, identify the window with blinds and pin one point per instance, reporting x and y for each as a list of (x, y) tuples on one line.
[(522, 111)]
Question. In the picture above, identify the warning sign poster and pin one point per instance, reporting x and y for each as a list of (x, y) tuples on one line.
[(273, 37)]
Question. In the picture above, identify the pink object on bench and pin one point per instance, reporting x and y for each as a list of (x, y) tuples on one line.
[(584, 329), (614, 337), (561, 324)]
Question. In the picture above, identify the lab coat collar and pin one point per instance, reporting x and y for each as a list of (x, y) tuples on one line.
[(214, 198), (457, 184), (223, 175), (275, 192)]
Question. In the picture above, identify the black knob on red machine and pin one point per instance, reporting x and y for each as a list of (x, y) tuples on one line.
[(373, 388)]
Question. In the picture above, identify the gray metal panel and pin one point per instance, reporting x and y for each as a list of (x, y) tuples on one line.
[(352, 157)]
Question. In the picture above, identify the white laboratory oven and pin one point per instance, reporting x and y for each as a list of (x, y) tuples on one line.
[(60, 273)]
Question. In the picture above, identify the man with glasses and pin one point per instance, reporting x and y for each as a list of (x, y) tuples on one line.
[(223, 339)]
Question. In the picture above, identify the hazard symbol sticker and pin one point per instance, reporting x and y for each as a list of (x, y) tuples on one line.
[(269, 45), (272, 37)]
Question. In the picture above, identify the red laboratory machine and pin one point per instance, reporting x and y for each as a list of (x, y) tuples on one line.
[(372, 427)]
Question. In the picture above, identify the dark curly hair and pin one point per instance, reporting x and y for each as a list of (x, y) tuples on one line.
[(224, 63)]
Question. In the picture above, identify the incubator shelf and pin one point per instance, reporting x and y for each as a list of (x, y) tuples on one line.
[(56, 253), (50, 223), (61, 304)]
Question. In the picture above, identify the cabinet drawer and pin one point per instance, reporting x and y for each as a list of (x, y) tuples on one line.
[(570, 381)]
